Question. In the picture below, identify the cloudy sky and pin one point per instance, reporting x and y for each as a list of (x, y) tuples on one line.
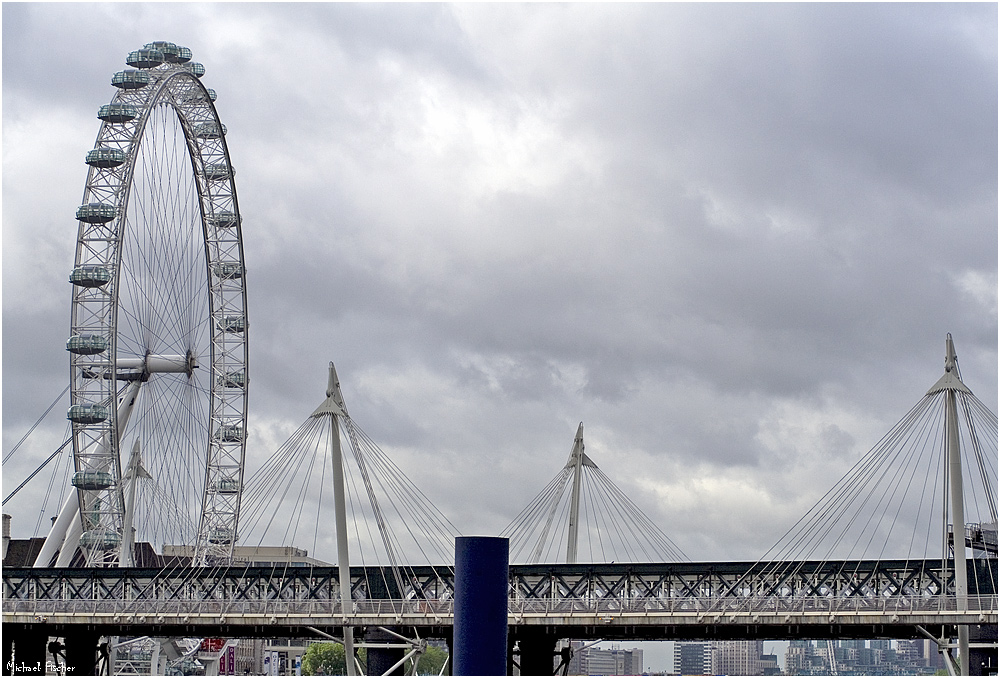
[(730, 239)]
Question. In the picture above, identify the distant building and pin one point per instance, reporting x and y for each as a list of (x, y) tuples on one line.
[(254, 556), (737, 657), (769, 665), (593, 661), (693, 659)]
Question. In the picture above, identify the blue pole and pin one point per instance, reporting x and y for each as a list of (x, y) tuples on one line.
[(481, 579)]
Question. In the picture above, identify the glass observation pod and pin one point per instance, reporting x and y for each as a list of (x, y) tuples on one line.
[(236, 379), (209, 130), (195, 69), (90, 275), (105, 158), (219, 171), (224, 219), (87, 414), (226, 486), (100, 539), (117, 113), (96, 212), (170, 51), (230, 433), (220, 535), (92, 480), (229, 270), (233, 323), (145, 58), (87, 344), (130, 79)]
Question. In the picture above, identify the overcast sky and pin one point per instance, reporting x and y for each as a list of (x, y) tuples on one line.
[(730, 239)]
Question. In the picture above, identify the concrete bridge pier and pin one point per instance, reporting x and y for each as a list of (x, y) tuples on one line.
[(983, 660), (381, 659), (24, 652), (82, 653), (538, 652)]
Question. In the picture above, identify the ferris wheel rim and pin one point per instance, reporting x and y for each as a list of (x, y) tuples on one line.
[(107, 195)]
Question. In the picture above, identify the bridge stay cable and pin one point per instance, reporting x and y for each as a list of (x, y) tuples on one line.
[(933, 475), (582, 507)]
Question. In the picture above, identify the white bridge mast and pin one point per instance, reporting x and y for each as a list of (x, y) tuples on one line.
[(951, 384), (577, 460), (334, 407)]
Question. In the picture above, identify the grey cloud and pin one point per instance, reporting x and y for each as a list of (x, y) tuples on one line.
[(690, 216)]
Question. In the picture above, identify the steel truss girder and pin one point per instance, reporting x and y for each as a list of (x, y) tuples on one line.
[(730, 582)]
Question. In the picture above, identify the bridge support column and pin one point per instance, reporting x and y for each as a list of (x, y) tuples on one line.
[(24, 652), (983, 660), (481, 580), (538, 652), (81, 653), (381, 659)]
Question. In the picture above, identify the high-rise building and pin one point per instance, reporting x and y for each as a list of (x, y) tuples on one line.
[(737, 657), (592, 661), (693, 659)]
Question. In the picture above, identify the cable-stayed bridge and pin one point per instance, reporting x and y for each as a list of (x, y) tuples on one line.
[(904, 545), (774, 598)]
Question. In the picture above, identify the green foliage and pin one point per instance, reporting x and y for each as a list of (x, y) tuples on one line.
[(431, 661), (327, 659), (324, 659)]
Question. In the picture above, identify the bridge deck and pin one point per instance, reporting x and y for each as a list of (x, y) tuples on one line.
[(643, 600)]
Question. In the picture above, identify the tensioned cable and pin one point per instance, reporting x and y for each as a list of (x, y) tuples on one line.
[(892, 480), (35, 425), (37, 470), (611, 525)]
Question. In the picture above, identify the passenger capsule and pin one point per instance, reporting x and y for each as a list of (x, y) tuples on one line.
[(92, 480), (237, 379), (87, 414), (230, 433), (233, 323), (130, 79), (96, 212), (86, 344), (226, 486), (90, 275), (221, 535), (169, 50), (219, 171), (145, 58), (209, 130), (228, 270), (105, 158), (183, 55), (211, 93), (194, 68), (117, 113), (101, 540), (224, 219)]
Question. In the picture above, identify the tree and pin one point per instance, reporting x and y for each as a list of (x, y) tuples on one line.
[(431, 661), (324, 659), (327, 659)]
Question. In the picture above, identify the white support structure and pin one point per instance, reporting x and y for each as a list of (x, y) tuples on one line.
[(334, 407), (575, 462), (64, 536), (132, 474), (951, 384)]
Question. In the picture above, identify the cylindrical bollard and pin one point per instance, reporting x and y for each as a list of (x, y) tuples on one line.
[(481, 579)]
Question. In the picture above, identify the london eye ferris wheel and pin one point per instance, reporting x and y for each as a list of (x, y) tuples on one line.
[(158, 337)]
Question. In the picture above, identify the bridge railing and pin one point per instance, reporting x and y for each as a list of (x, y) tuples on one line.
[(518, 607), (770, 605)]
